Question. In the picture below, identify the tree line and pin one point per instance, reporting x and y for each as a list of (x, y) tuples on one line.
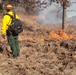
[(31, 6)]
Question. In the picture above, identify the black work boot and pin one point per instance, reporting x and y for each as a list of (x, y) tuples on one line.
[(14, 56)]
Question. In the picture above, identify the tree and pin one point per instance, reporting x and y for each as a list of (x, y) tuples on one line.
[(65, 4), (31, 6)]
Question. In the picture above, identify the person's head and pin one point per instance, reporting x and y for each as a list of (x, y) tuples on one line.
[(9, 7)]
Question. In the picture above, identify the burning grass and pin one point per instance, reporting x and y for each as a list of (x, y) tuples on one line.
[(60, 35), (45, 50)]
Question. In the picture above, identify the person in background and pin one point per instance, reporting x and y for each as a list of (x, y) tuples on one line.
[(11, 36)]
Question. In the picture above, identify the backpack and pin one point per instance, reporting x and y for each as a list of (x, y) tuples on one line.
[(16, 25)]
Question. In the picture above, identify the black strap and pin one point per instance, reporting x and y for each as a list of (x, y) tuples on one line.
[(13, 17)]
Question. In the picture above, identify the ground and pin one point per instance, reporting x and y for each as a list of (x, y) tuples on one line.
[(41, 53)]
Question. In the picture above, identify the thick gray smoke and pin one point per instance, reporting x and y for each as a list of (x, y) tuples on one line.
[(51, 15)]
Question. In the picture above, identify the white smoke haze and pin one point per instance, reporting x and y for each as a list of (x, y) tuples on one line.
[(51, 15)]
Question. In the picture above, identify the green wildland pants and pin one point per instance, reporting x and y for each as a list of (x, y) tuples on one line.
[(13, 43)]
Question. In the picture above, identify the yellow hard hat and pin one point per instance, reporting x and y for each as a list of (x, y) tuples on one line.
[(9, 6)]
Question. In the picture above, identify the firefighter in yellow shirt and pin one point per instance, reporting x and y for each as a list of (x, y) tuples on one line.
[(11, 37)]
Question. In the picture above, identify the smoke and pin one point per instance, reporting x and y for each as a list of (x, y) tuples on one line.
[(51, 15)]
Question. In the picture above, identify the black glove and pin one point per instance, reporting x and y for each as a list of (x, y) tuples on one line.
[(3, 36)]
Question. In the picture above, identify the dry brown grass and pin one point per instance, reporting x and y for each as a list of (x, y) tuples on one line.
[(39, 56)]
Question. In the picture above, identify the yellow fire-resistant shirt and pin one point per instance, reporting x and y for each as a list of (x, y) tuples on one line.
[(6, 21)]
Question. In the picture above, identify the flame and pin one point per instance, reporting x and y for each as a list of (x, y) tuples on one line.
[(60, 35), (53, 35)]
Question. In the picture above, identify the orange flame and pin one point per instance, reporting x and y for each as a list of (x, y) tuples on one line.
[(61, 35)]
